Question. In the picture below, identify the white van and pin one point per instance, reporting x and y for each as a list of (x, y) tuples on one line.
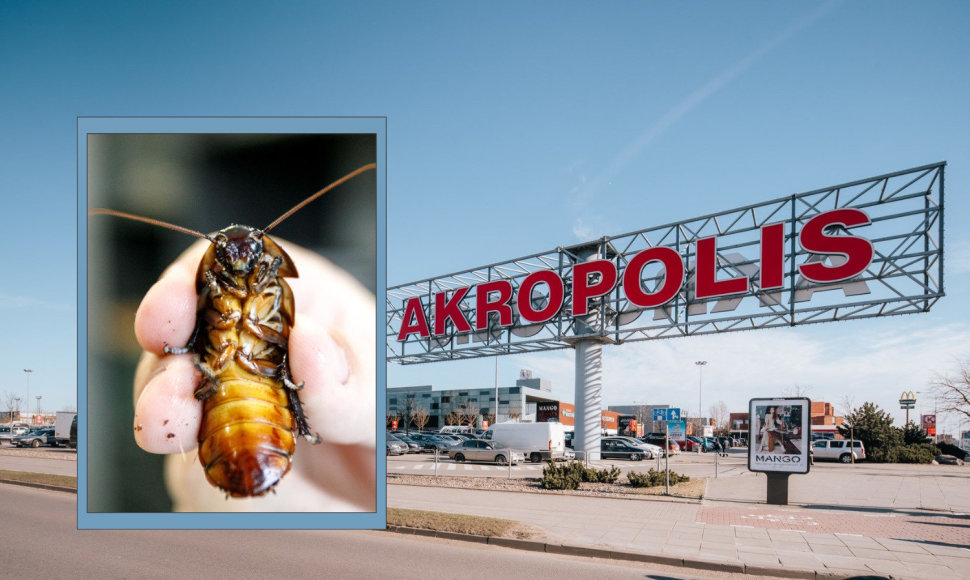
[(838, 449), (538, 441)]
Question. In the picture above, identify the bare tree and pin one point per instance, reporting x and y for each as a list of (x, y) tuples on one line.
[(798, 390), (421, 418), (410, 406), (720, 414), (953, 391), (12, 403)]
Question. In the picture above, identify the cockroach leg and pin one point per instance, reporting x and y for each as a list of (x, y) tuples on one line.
[(208, 384), (267, 274), (299, 417), (284, 370), (188, 346)]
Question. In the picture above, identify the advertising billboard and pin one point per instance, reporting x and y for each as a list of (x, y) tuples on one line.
[(867, 248), (677, 430), (780, 435), (929, 425)]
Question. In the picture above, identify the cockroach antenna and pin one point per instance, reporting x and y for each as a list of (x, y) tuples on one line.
[(138, 218), (300, 205)]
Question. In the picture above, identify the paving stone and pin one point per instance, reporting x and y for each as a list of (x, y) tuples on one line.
[(870, 554), (830, 549)]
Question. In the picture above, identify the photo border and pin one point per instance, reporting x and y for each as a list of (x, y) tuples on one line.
[(376, 125)]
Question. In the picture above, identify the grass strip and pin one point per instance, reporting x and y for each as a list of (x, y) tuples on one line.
[(458, 523), (44, 478)]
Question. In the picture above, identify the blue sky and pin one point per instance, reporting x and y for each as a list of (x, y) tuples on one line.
[(513, 129)]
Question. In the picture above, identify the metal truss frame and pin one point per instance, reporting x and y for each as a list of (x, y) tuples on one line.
[(905, 275)]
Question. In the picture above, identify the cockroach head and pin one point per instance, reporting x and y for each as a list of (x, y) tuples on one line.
[(238, 248)]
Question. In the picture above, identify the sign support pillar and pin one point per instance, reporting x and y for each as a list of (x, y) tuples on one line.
[(778, 488), (589, 400)]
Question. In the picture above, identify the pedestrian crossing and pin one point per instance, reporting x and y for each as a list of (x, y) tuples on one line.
[(442, 466)]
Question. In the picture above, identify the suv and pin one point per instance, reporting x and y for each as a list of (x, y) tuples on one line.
[(838, 449)]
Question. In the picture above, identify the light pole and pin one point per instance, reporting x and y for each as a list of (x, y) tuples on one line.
[(16, 402), (700, 391), (27, 372), (39, 397)]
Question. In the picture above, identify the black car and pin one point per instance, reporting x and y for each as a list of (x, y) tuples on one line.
[(619, 449), (36, 438)]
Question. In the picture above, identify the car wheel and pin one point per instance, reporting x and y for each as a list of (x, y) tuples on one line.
[(460, 457), (845, 458), (535, 457), (35, 443), (501, 460), (635, 457)]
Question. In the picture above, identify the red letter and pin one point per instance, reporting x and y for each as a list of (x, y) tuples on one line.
[(413, 310), (857, 251), (556, 296), (443, 311), (772, 256), (483, 306), (705, 283), (673, 277), (582, 291)]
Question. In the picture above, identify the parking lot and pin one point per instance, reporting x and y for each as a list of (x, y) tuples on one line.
[(692, 464)]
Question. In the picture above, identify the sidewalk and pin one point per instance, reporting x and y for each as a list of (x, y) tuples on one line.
[(736, 531)]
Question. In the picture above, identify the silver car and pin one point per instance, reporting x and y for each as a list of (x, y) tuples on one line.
[(481, 450)]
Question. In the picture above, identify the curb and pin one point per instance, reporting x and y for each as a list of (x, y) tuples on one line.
[(627, 497), (588, 552), (40, 485)]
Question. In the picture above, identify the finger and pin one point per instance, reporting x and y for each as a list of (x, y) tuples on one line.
[(339, 392), (166, 315), (167, 415)]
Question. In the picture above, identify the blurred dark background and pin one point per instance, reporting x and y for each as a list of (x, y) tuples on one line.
[(203, 182)]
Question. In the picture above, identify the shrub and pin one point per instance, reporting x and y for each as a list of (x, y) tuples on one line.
[(570, 475), (560, 476), (916, 453), (654, 478)]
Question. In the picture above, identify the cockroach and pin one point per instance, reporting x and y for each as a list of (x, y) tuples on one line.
[(251, 413)]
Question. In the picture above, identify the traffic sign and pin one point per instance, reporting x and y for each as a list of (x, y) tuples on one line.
[(666, 414)]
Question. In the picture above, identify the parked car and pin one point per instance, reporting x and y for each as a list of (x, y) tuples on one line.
[(621, 448), (653, 439), (404, 441), (36, 438), (698, 443), (480, 450), (395, 447), (948, 460), (7, 433), (838, 449), (413, 446), (432, 442), (649, 450)]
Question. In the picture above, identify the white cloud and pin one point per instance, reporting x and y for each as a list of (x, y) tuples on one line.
[(829, 361)]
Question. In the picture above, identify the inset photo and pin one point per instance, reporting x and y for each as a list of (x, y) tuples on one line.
[(231, 322)]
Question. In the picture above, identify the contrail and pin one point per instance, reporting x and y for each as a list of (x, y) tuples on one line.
[(679, 111)]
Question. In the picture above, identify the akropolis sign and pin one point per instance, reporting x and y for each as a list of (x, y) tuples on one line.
[(599, 277), (879, 237)]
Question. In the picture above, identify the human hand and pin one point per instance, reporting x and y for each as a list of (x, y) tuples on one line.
[(332, 349)]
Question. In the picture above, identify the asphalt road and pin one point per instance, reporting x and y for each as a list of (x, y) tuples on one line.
[(25, 459), (40, 541)]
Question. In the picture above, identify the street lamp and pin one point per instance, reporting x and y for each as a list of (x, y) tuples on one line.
[(700, 389), (16, 402), (27, 372)]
